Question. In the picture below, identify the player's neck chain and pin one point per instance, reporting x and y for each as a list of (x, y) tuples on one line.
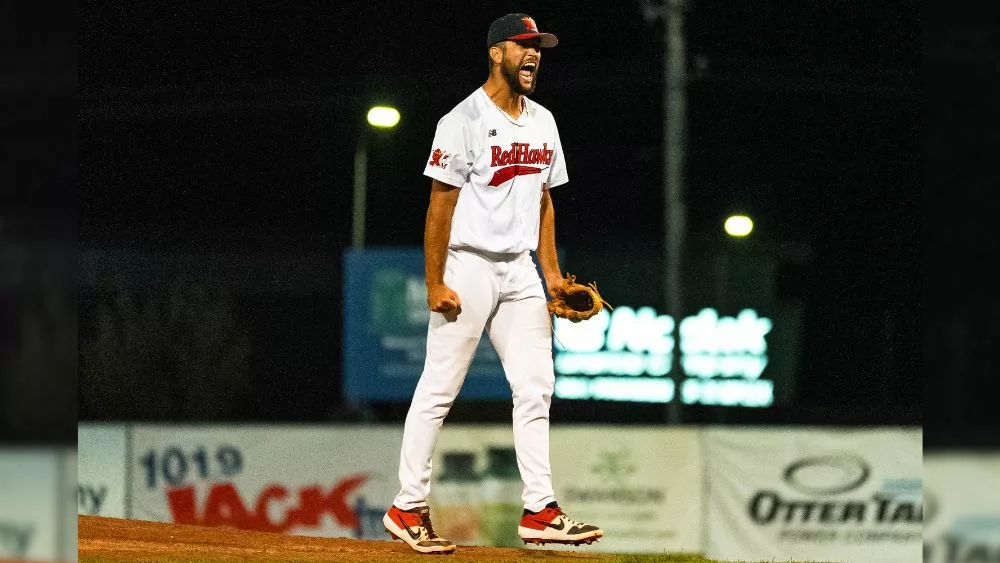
[(520, 100)]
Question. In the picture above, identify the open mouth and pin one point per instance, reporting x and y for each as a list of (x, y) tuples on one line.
[(527, 72)]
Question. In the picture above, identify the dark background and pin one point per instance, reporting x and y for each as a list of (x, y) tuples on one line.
[(229, 130), (213, 134)]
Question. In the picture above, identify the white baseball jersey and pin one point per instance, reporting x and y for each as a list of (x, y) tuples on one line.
[(500, 164)]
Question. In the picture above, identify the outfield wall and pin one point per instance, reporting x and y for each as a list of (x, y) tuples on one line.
[(37, 488), (761, 493)]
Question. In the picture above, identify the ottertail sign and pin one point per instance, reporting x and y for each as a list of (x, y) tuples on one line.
[(815, 494)]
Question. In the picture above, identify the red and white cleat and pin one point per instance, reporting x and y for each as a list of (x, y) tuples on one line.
[(414, 527), (551, 525)]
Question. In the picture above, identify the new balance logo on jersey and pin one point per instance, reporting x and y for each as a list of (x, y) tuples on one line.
[(491, 133)]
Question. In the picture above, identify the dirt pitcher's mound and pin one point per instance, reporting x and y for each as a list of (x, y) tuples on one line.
[(114, 540)]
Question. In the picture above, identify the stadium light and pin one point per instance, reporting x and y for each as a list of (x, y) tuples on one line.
[(382, 117), (738, 226)]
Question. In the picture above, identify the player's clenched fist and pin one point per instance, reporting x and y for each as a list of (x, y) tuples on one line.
[(442, 299)]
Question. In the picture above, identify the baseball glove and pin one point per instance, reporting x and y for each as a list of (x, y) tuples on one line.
[(577, 302)]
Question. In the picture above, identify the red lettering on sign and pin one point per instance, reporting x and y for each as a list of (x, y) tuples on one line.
[(223, 506)]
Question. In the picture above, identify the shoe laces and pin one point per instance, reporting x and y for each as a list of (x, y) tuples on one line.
[(425, 523), (570, 521)]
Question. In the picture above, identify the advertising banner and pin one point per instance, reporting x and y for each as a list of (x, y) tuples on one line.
[(385, 330), (70, 492), (100, 469), (641, 485), (832, 495), (30, 504), (962, 499), (730, 354), (334, 481), (626, 355)]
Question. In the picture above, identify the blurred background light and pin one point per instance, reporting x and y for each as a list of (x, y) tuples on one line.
[(383, 116), (738, 225)]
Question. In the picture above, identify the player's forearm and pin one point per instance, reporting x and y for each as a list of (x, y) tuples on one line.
[(437, 231), (435, 248), (548, 259)]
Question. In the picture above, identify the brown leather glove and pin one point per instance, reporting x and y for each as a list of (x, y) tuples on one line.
[(577, 302)]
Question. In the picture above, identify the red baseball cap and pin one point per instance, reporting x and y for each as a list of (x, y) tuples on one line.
[(514, 27)]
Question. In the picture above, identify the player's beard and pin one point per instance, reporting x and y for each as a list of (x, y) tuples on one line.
[(510, 72)]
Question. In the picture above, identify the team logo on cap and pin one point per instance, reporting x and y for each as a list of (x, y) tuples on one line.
[(530, 24)]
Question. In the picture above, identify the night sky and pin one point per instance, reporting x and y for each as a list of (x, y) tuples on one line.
[(232, 126)]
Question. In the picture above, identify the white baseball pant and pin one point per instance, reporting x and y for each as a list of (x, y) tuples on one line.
[(503, 295)]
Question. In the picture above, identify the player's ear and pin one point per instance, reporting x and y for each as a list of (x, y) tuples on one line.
[(496, 53)]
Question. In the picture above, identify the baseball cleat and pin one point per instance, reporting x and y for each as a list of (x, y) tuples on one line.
[(414, 527), (551, 525)]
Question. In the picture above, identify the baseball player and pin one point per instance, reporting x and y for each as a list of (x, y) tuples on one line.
[(495, 156)]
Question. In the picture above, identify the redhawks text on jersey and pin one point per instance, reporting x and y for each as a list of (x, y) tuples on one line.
[(521, 153)]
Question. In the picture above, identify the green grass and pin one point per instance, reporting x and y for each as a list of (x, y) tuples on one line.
[(528, 558), (686, 558)]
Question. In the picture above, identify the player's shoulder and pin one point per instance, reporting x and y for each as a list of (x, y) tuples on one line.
[(467, 111), (538, 109)]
